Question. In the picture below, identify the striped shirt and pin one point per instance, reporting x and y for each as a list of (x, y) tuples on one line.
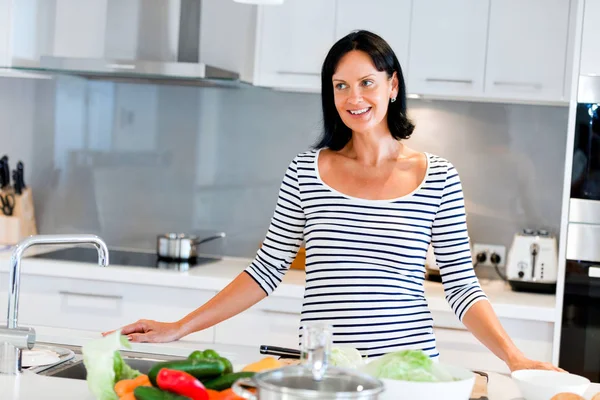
[(365, 259)]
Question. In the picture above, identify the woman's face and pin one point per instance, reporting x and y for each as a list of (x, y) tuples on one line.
[(362, 93)]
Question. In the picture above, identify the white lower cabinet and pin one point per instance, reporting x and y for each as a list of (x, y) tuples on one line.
[(273, 321), (460, 347), (101, 306)]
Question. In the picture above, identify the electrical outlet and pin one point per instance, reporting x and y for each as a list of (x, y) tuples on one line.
[(488, 250)]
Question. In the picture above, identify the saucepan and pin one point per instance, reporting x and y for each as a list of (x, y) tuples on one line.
[(181, 246)]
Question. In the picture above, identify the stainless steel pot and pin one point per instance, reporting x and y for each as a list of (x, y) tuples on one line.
[(180, 246), (298, 382)]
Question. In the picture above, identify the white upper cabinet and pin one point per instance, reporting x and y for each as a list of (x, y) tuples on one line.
[(590, 45), (526, 53), (392, 22), (292, 42), (447, 47), (5, 31)]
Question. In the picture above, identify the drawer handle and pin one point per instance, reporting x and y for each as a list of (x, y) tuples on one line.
[(271, 311), (444, 80), (299, 73), (103, 296), (594, 272), (518, 84)]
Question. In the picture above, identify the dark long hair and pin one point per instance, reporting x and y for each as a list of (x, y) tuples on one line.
[(335, 133)]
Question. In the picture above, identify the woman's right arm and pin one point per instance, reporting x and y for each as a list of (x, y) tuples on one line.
[(242, 293), (261, 278)]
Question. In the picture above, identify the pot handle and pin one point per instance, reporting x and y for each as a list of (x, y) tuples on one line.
[(217, 236), (240, 391)]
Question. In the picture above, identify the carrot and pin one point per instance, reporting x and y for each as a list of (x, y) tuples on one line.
[(213, 394), (128, 396), (126, 386), (229, 394)]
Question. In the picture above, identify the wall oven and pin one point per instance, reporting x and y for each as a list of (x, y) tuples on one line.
[(579, 350)]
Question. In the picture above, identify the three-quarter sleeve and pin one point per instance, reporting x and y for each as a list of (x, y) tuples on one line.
[(284, 236), (450, 241)]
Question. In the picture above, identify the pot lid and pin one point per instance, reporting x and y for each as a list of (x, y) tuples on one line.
[(335, 383)]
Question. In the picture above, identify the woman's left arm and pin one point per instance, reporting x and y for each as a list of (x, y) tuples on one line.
[(483, 323), (450, 240)]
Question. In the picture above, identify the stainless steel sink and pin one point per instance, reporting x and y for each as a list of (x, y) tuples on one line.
[(75, 369)]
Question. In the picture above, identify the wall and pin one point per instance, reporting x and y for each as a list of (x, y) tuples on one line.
[(129, 161)]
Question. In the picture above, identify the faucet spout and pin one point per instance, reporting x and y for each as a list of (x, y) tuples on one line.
[(12, 338), (17, 254)]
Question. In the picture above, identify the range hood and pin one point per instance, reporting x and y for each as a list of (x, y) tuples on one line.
[(148, 41)]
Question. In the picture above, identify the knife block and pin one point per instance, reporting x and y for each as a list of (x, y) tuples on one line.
[(21, 223)]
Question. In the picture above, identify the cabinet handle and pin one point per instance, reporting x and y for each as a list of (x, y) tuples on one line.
[(270, 311), (120, 66), (444, 80), (299, 73), (103, 296), (519, 84), (594, 272)]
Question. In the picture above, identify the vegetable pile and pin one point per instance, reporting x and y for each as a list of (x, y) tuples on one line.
[(204, 375)]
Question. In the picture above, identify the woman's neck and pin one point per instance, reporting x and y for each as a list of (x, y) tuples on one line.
[(374, 148)]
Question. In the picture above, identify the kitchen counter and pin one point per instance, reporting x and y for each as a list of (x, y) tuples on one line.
[(28, 386), (216, 275)]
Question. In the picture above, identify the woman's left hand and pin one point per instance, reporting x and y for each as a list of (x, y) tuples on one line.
[(526, 363)]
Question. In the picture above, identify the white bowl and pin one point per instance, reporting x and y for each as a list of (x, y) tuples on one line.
[(542, 384), (456, 390)]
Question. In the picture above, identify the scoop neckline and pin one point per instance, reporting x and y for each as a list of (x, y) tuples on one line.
[(363, 200)]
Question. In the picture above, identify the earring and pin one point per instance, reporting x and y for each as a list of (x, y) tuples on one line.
[(393, 99)]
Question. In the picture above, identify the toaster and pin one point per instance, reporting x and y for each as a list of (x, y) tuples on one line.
[(532, 262)]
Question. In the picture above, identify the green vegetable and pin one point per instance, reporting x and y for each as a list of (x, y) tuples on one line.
[(225, 381), (105, 366), (152, 393), (201, 369), (407, 365), (210, 354), (228, 365), (197, 355), (345, 357)]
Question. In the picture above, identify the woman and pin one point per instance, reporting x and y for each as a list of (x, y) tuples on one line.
[(367, 207)]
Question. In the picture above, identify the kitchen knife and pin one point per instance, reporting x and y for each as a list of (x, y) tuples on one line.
[(20, 168), (2, 178), (280, 351), (17, 182), (5, 172)]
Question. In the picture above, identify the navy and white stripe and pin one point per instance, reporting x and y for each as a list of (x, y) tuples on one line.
[(365, 259)]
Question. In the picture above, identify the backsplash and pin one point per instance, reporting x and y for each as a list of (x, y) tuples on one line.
[(130, 161)]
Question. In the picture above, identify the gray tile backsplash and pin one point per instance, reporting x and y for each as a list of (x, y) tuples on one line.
[(129, 161)]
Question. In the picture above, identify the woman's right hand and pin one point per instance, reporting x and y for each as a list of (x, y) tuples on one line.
[(149, 331)]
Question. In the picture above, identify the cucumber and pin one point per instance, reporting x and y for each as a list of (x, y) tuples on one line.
[(201, 369), (152, 393), (224, 382)]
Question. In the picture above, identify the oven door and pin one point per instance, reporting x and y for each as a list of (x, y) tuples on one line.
[(580, 331)]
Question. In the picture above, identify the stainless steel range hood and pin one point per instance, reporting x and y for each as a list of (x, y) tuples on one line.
[(149, 41)]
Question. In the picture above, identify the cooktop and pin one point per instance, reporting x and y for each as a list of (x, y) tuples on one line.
[(124, 258)]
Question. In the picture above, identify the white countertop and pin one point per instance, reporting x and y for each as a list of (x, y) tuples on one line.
[(28, 386), (215, 276)]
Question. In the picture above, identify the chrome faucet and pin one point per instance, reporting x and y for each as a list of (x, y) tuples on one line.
[(14, 339)]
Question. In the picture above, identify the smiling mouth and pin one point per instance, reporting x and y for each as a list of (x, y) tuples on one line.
[(360, 112)]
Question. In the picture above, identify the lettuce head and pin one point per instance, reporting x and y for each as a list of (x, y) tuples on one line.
[(105, 366)]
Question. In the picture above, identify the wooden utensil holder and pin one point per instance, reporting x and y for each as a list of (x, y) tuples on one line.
[(21, 223)]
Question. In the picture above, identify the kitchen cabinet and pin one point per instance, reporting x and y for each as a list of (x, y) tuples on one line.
[(273, 321), (5, 31), (458, 346), (448, 47), (590, 44), (392, 22), (527, 50), (100, 306), (292, 42)]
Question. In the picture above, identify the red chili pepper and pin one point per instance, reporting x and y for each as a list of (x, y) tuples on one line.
[(181, 383)]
